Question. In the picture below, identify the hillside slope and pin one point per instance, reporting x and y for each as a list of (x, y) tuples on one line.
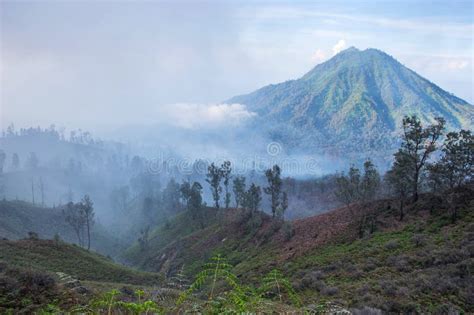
[(52, 256), (17, 218), (356, 99), (423, 264)]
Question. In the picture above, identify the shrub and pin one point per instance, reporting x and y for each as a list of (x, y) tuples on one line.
[(388, 287), (391, 245), (33, 236), (446, 309), (330, 291), (418, 240), (370, 264), (400, 263)]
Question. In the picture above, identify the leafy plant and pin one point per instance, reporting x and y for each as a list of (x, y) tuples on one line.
[(217, 269), (276, 281)]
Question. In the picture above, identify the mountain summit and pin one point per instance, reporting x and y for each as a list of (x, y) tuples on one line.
[(355, 101)]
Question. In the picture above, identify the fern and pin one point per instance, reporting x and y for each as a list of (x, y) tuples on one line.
[(179, 280), (217, 269), (275, 280), (107, 301)]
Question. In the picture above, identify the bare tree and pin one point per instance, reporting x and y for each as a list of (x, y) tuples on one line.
[(226, 176), (88, 213)]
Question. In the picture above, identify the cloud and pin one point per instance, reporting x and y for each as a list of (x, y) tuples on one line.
[(424, 25), (318, 56), (340, 45), (457, 64), (204, 116)]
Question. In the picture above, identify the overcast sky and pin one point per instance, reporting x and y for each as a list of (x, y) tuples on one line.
[(104, 64)]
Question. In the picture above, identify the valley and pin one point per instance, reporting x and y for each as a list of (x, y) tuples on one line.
[(236, 157)]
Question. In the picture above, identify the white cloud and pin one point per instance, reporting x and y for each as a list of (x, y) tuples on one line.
[(204, 116), (318, 56), (457, 64), (340, 45)]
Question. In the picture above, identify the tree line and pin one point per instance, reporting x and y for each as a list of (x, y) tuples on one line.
[(224, 186), (413, 170)]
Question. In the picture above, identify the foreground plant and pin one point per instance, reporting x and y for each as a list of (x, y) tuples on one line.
[(238, 298), (276, 281)]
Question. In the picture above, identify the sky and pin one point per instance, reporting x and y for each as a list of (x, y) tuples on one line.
[(105, 64)]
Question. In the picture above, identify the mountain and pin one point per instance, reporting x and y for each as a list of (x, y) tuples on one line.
[(353, 102)]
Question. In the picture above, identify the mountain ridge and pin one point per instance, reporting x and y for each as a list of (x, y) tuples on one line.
[(355, 99)]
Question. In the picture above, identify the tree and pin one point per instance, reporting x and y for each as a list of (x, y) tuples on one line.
[(274, 187), (32, 161), (417, 145), (370, 182), (171, 195), (252, 198), (41, 187), (399, 179), (15, 161), (370, 185), (358, 188), (239, 190), (214, 177), (195, 203), (192, 197), (226, 176), (455, 167), (88, 212), (348, 187), (75, 218), (3, 157), (185, 190)]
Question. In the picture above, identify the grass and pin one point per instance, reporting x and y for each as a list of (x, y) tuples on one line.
[(52, 256), (424, 278)]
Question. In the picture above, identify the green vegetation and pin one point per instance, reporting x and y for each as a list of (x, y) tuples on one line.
[(53, 256), (353, 103), (18, 218), (411, 252)]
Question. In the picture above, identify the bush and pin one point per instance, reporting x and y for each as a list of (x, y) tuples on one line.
[(400, 263), (330, 291), (391, 245), (446, 309), (33, 236), (312, 280), (370, 264), (388, 287), (25, 290), (418, 240)]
